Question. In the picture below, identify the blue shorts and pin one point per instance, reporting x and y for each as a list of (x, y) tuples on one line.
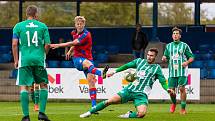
[(78, 63)]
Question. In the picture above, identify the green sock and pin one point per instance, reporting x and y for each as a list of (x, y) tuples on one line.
[(24, 102), (43, 97), (183, 104), (32, 97), (173, 98), (133, 115), (36, 96), (98, 107)]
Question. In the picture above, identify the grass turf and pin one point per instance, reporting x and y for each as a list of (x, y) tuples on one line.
[(11, 111)]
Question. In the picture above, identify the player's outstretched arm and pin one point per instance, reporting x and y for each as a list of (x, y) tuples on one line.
[(131, 64), (67, 44)]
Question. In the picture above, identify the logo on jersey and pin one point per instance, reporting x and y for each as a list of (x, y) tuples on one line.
[(31, 25)]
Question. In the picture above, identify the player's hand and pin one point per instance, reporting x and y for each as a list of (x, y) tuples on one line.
[(15, 65), (185, 64), (54, 46), (109, 74), (164, 59), (68, 55)]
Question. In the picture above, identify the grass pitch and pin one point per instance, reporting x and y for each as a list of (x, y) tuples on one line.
[(11, 111)]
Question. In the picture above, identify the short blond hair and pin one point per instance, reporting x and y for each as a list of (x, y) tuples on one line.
[(80, 18)]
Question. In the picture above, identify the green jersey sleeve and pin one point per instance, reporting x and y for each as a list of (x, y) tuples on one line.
[(131, 64), (188, 53), (161, 78), (166, 52), (16, 31), (46, 36)]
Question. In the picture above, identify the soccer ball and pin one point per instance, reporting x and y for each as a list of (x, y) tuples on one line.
[(130, 76)]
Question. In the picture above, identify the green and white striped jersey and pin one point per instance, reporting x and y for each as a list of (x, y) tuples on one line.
[(146, 75), (32, 36), (177, 53)]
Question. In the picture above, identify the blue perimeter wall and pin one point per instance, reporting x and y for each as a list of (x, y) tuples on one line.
[(122, 36)]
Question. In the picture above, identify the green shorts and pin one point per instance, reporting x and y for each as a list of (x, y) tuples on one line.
[(31, 74), (137, 97), (174, 82)]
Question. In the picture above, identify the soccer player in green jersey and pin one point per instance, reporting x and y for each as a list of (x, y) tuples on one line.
[(32, 39), (178, 55), (146, 74)]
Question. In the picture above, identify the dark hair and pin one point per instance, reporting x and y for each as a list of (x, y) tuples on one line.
[(176, 29), (154, 50), (31, 10)]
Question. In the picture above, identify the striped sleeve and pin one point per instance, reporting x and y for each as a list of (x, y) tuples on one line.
[(131, 64), (83, 37), (188, 52), (161, 78), (166, 52)]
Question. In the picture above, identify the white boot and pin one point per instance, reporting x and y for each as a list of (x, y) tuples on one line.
[(85, 115), (125, 115)]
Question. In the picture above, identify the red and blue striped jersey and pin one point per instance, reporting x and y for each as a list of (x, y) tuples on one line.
[(84, 49)]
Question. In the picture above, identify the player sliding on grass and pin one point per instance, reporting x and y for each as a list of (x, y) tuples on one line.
[(146, 74), (81, 48), (178, 55)]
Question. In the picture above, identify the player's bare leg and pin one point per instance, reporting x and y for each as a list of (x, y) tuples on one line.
[(91, 78), (173, 99), (183, 97), (92, 69)]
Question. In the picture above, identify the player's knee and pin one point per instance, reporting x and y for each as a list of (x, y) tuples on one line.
[(43, 85), (90, 76), (37, 86), (182, 89), (107, 103), (141, 114), (91, 79)]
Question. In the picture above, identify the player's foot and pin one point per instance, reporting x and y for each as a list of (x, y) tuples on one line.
[(85, 115), (172, 108), (183, 111), (26, 118), (43, 117), (105, 71), (36, 107), (125, 115)]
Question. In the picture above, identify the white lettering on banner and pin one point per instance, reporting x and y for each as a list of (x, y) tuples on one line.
[(71, 84)]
